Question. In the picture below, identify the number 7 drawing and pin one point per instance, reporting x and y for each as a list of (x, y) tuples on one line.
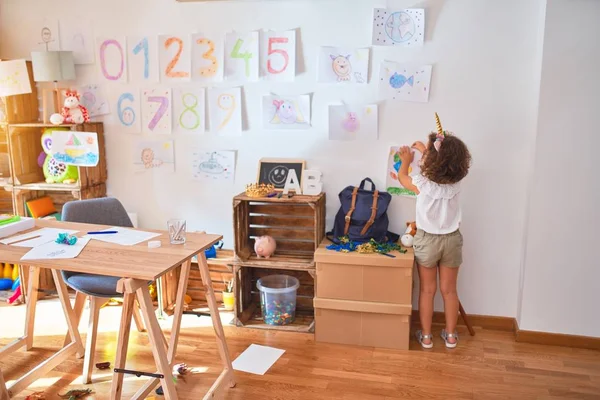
[(162, 109)]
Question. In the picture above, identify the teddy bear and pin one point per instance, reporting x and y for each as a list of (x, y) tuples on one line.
[(409, 234), (73, 112)]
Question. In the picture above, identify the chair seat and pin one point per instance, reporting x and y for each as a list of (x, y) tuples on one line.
[(95, 285)]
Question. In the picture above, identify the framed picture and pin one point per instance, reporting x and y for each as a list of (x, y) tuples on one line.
[(275, 171)]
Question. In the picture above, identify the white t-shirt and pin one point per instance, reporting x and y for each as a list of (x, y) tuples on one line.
[(438, 208)]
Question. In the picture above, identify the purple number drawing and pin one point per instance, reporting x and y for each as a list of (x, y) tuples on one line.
[(105, 44), (162, 109)]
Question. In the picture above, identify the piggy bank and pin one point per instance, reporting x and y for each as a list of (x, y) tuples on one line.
[(264, 246)]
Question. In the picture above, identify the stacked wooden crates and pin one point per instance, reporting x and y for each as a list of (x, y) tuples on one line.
[(364, 299), (298, 226)]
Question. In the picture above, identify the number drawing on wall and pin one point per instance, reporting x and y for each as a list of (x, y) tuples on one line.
[(127, 104), (153, 154), (112, 59), (398, 27), (156, 111), (213, 166), (403, 82), (207, 58), (225, 110), (142, 57), (188, 110), (241, 56), (174, 58), (353, 122), (278, 55), (343, 65), (290, 112)]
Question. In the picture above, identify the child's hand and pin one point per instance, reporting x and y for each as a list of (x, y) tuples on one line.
[(406, 155), (419, 146)]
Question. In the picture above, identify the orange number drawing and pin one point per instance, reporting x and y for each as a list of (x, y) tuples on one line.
[(169, 70), (209, 55)]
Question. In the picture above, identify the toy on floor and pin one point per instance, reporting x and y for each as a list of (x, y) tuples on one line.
[(73, 112), (10, 273), (56, 171), (409, 235), (76, 394), (36, 396), (15, 299)]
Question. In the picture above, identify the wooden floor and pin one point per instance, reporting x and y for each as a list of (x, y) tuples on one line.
[(488, 366)]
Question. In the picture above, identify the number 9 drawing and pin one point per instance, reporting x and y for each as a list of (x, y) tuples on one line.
[(127, 114)]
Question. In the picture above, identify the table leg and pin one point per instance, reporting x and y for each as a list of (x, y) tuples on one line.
[(3, 390), (63, 294), (158, 348), (123, 342), (78, 309), (32, 297), (218, 327)]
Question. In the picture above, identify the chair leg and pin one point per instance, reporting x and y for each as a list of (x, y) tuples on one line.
[(466, 319), (78, 309), (90, 343), (137, 318)]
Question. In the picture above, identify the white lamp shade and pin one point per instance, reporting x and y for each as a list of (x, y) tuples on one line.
[(52, 66)]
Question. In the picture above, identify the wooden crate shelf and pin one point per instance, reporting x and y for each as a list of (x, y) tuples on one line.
[(23, 107), (247, 311), (6, 200), (297, 224), (25, 147), (59, 197)]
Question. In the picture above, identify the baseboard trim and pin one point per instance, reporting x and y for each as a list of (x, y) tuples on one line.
[(556, 339), (510, 324)]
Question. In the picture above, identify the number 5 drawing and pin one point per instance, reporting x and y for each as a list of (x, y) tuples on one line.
[(282, 53)]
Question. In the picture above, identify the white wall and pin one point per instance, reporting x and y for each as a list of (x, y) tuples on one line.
[(484, 54), (562, 269)]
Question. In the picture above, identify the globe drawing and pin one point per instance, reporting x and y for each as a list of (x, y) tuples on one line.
[(400, 27)]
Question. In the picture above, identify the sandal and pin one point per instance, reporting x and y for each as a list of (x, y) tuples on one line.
[(421, 337), (445, 335)]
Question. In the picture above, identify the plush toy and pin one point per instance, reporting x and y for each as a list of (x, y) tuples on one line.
[(409, 234), (72, 112), (55, 171)]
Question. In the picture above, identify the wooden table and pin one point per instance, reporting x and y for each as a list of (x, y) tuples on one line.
[(136, 265)]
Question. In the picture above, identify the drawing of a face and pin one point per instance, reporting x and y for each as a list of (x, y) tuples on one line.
[(341, 66), (147, 157), (46, 35), (351, 122), (226, 101), (286, 111), (278, 175)]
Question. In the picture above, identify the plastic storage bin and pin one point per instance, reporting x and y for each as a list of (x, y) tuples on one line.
[(278, 298)]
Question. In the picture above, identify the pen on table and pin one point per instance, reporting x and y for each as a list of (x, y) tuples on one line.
[(24, 240), (102, 232)]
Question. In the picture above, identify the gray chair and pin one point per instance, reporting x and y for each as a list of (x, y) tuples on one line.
[(99, 288)]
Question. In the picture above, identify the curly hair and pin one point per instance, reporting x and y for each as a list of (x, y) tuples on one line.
[(449, 165)]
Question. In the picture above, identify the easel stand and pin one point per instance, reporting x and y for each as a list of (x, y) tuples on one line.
[(463, 314), (164, 351)]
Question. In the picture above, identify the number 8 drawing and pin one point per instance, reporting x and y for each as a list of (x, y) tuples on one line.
[(126, 115), (189, 108)]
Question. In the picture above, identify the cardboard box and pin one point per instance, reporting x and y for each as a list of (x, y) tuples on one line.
[(364, 277), (362, 323)]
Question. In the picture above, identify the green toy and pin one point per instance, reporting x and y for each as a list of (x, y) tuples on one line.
[(56, 171)]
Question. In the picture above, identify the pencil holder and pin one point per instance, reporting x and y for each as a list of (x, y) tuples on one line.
[(176, 228)]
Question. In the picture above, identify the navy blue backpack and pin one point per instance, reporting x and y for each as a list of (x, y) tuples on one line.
[(363, 215)]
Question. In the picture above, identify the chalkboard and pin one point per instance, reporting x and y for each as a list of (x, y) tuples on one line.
[(275, 171)]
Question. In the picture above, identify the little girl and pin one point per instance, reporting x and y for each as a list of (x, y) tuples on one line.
[(438, 242)]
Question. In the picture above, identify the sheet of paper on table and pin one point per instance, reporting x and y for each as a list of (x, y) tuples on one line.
[(55, 251), (125, 237), (257, 359), (46, 235)]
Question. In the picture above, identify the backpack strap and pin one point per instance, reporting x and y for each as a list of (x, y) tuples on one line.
[(373, 213), (348, 216)]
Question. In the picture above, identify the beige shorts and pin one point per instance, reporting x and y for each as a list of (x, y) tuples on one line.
[(433, 250)]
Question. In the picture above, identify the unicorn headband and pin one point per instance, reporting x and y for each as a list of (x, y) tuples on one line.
[(441, 134)]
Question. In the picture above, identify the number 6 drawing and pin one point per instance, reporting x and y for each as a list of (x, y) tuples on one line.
[(162, 109), (126, 115), (103, 47), (283, 53)]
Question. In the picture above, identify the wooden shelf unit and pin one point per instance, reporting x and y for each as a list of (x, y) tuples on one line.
[(298, 226)]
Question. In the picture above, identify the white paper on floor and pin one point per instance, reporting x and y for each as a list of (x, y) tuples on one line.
[(257, 359)]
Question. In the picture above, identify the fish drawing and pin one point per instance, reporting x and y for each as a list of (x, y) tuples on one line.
[(397, 80)]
